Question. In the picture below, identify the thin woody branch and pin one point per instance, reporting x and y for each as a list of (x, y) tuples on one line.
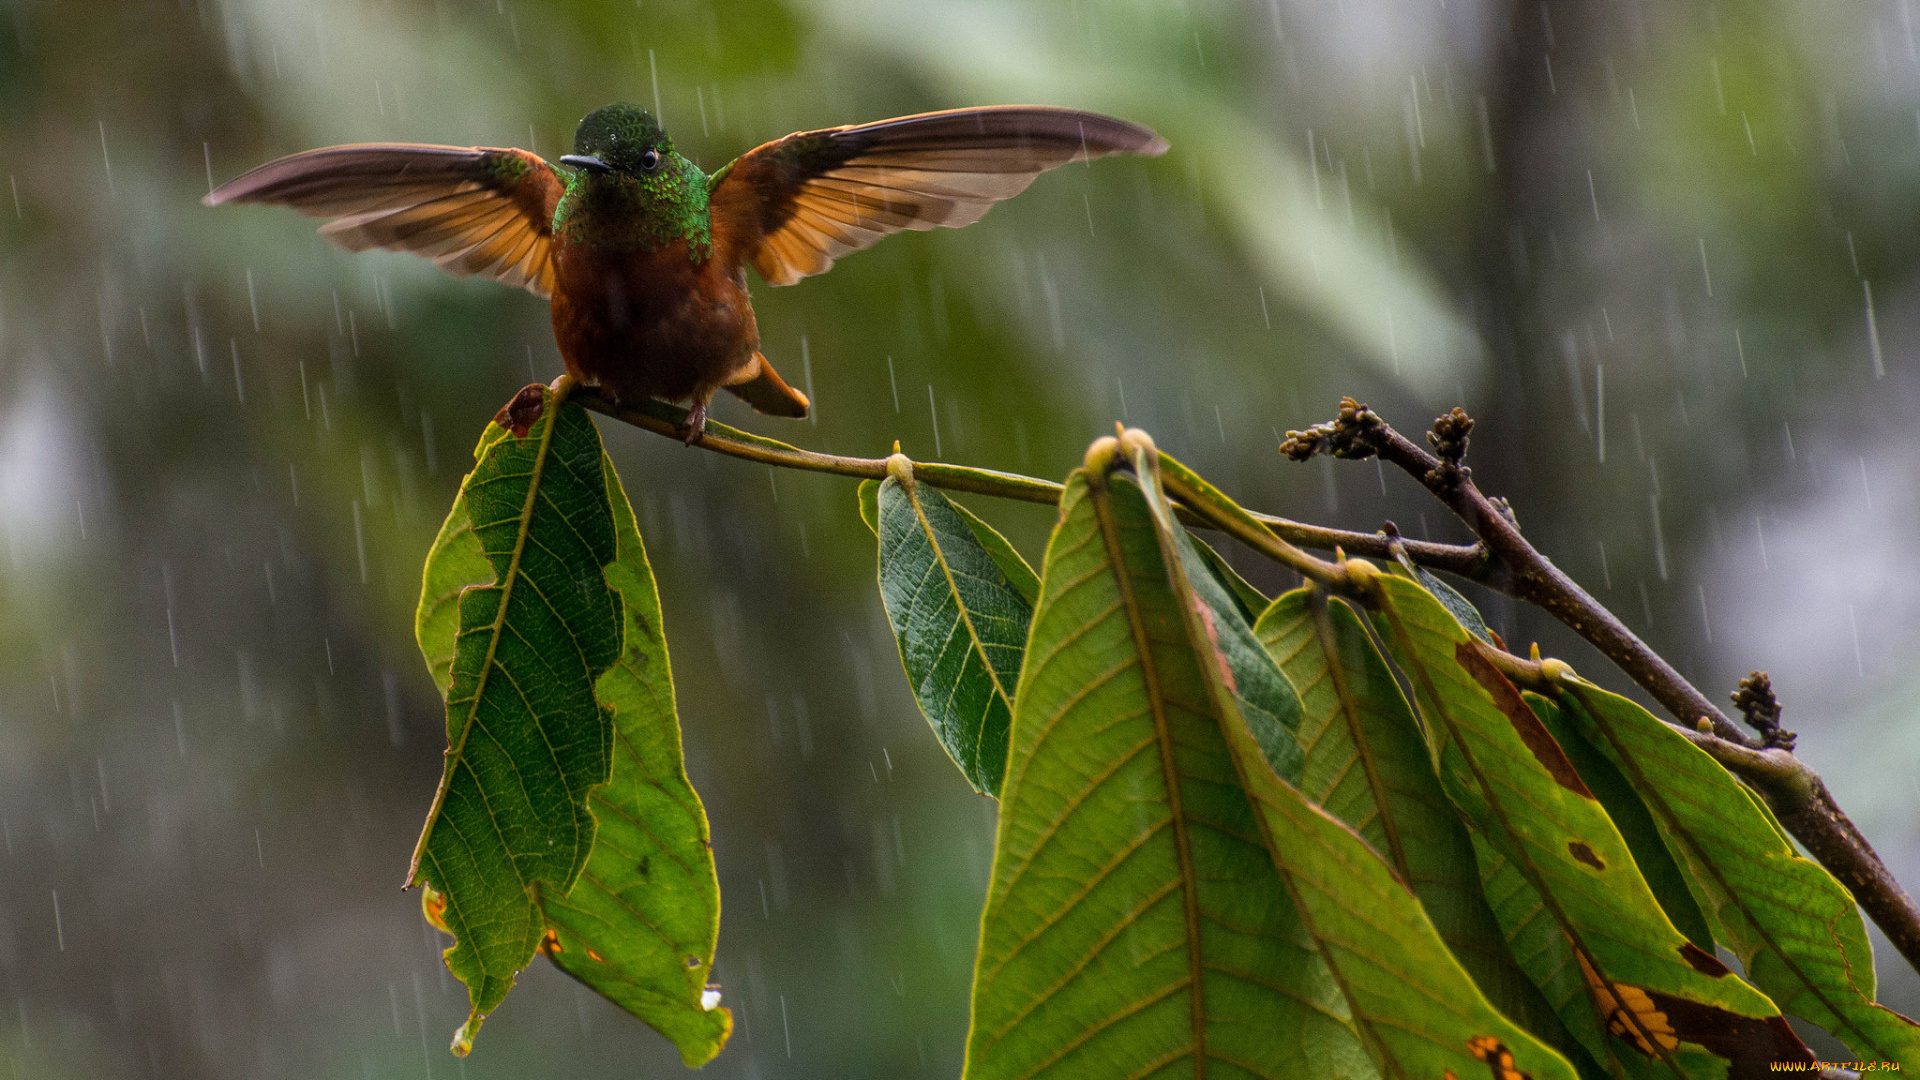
[(1469, 561), (1502, 560), (1796, 794)]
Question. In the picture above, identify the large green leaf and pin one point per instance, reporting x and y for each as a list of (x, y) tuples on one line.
[(1418, 1011), (527, 738), (641, 923), (1795, 929), (1367, 764), (1019, 574), (960, 620), (1635, 822), (1579, 917), (1135, 923)]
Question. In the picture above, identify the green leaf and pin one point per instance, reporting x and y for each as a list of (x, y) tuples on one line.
[(1459, 606), (1019, 573), (869, 496), (1420, 1011), (1134, 921), (527, 739), (1367, 764), (1267, 701), (1249, 600), (1635, 822), (1559, 877), (1795, 929), (1416, 1008), (641, 923), (960, 622)]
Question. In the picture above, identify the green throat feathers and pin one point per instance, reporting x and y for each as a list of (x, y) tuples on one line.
[(645, 198)]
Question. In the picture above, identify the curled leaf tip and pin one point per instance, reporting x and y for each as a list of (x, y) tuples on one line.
[(433, 904), (463, 1038), (523, 411)]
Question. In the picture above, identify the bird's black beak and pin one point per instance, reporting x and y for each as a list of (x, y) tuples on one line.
[(587, 162)]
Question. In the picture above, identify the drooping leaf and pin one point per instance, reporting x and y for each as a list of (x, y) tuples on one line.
[(961, 623), (1266, 700), (455, 561), (641, 923), (1558, 875), (1421, 1013), (1417, 1010), (1134, 922), (527, 739), (1249, 600), (1631, 816), (1795, 929), (1367, 764), (1019, 573)]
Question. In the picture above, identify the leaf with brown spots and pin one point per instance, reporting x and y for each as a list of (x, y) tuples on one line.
[(1532, 732), (1517, 790), (1661, 1025), (646, 909), (1794, 928), (1367, 764), (1413, 1004), (520, 414), (1630, 816), (646, 897), (1584, 854)]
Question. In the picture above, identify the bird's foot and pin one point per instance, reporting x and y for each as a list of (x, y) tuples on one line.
[(695, 425)]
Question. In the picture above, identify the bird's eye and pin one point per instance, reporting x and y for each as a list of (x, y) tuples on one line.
[(650, 161)]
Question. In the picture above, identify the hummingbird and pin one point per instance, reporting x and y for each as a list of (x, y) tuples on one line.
[(643, 256)]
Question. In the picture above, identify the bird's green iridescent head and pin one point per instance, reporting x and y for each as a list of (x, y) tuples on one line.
[(632, 189), (625, 137)]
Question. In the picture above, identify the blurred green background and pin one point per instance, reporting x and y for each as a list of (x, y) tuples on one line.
[(1664, 252)]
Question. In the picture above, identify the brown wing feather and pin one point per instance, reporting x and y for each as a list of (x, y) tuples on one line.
[(472, 210), (794, 205)]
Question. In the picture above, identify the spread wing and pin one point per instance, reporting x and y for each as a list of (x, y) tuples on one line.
[(794, 205), (472, 210)]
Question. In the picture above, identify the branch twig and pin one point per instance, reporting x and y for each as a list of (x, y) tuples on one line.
[(1797, 795), (1469, 561), (1502, 560)]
